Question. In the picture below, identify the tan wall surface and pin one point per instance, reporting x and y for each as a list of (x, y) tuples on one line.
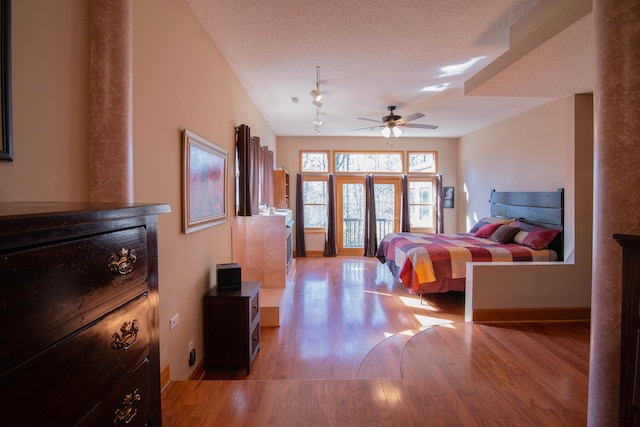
[(544, 149), (50, 84), (180, 80)]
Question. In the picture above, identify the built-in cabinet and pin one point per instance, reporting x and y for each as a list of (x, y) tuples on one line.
[(79, 314), (262, 245), (630, 331), (281, 189)]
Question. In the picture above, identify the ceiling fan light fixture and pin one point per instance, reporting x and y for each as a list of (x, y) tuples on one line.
[(317, 104), (396, 131), (317, 96), (386, 132)]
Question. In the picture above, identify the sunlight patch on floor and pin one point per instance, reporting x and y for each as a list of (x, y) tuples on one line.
[(415, 303), (378, 293), (431, 321)]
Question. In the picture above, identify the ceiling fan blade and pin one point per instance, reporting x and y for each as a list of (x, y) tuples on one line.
[(419, 126), (371, 120), (411, 117), (368, 127)]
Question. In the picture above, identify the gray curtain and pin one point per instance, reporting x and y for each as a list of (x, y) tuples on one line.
[(439, 205), (243, 148), (330, 246), (301, 249), (370, 235), (405, 223)]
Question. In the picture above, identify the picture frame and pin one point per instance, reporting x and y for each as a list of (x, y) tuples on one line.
[(6, 144), (448, 197), (204, 183)]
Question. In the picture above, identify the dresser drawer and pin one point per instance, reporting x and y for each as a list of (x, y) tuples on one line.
[(127, 405), (46, 293), (84, 365)]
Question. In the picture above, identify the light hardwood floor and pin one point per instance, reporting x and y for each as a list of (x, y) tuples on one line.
[(355, 349)]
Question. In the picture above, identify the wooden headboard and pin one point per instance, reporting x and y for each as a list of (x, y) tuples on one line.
[(542, 208)]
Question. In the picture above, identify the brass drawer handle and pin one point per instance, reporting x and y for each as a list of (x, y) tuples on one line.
[(122, 263), (129, 336), (127, 411)]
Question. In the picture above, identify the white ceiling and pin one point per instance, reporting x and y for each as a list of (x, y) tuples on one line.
[(377, 53)]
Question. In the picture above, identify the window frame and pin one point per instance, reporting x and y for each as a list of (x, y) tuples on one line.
[(310, 178), (335, 154), (301, 153), (432, 180), (421, 152)]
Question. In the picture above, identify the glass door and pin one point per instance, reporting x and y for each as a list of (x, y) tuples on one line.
[(350, 195)]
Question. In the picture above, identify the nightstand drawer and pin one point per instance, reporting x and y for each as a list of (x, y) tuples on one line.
[(84, 365), (254, 307), (68, 285)]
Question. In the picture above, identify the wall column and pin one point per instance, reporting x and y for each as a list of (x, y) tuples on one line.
[(617, 191), (111, 151)]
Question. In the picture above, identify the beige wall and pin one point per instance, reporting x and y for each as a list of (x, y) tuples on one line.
[(288, 148), (180, 81), (50, 73), (544, 149)]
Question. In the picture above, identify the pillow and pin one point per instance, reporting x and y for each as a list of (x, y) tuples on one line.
[(490, 220), (487, 230), (504, 233), (534, 237)]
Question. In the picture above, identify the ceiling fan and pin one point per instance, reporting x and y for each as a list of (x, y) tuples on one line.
[(391, 124)]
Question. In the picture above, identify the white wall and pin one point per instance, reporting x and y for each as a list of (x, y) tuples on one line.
[(544, 149)]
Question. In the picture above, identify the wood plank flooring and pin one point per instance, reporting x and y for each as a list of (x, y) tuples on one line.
[(355, 349)]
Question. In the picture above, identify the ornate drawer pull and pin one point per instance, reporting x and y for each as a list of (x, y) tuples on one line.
[(122, 263), (129, 336), (127, 411)]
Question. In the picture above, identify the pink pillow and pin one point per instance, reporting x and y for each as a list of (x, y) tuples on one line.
[(487, 230), (534, 237)]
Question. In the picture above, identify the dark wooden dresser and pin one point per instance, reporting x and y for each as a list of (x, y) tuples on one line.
[(630, 331), (79, 314), (232, 327)]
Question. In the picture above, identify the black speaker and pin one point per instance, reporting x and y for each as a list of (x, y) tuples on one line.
[(228, 276)]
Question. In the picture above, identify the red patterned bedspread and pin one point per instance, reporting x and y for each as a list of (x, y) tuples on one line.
[(435, 262)]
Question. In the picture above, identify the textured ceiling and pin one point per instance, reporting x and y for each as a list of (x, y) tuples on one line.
[(378, 53)]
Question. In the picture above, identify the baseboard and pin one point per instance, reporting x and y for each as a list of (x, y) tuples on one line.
[(315, 253), (555, 314), (165, 377), (198, 373)]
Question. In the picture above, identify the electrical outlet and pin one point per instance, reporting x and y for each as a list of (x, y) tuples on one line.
[(174, 321)]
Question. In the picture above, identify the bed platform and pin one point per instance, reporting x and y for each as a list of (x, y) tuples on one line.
[(522, 227)]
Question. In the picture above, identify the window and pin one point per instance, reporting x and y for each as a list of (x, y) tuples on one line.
[(314, 161), (422, 162), (422, 202), (315, 202), (368, 162)]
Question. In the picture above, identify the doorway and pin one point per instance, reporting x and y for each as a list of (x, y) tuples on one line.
[(350, 198)]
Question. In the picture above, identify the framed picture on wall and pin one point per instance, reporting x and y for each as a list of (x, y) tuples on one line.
[(204, 183), (448, 197)]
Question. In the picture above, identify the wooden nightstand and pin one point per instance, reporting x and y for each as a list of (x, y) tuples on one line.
[(232, 327)]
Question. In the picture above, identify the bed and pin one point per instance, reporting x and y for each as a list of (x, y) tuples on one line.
[(522, 227)]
